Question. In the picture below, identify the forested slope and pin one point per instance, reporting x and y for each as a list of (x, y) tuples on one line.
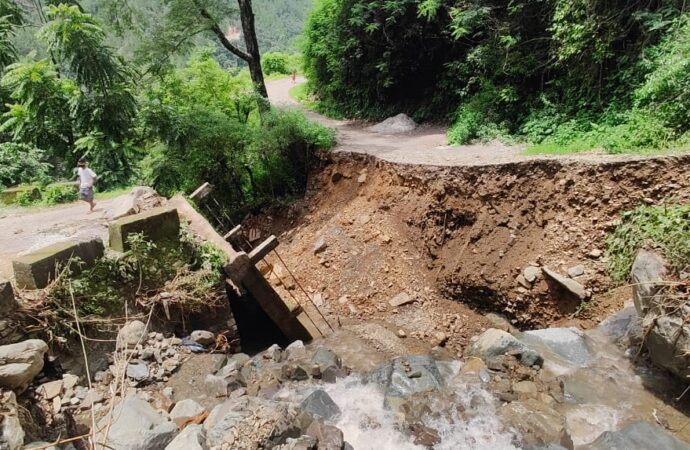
[(571, 74)]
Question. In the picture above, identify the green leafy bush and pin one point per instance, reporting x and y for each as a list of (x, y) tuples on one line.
[(28, 197), (20, 163), (665, 227), (60, 193), (275, 63), (204, 137)]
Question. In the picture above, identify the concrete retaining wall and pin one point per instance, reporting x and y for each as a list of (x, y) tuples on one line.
[(156, 224), (37, 269)]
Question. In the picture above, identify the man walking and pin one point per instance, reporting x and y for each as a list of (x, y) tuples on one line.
[(87, 178)]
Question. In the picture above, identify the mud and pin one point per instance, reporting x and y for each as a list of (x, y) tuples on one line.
[(457, 238)]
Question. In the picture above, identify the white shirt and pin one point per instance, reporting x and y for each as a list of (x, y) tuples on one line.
[(86, 177)]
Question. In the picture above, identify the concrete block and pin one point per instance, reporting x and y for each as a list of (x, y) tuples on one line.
[(156, 224), (36, 270), (7, 301), (9, 196)]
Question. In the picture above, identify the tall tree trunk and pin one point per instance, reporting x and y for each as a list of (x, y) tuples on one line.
[(252, 45)]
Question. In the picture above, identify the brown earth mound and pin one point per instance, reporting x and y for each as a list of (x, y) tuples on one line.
[(457, 240)]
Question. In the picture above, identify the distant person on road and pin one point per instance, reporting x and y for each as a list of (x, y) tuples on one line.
[(294, 77), (87, 178)]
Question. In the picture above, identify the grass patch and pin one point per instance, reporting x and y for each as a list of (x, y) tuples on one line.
[(664, 227), (553, 148)]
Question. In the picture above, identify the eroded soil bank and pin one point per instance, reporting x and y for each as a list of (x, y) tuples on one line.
[(457, 240)]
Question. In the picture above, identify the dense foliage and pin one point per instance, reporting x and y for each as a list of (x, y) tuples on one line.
[(143, 114), (584, 73), (664, 227)]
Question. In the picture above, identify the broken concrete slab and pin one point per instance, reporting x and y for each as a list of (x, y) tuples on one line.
[(137, 200), (36, 270), (156, 224), (568, 284)]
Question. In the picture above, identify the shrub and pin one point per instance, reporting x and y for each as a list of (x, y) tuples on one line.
[(666, 227), (20, 163), (275, 63), (60, 193)]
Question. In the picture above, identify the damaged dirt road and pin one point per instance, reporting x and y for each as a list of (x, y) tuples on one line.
[(399, 236)]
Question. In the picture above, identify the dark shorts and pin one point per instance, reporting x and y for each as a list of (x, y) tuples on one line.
[(86, 193)]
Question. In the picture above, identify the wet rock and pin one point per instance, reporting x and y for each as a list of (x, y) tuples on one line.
[(425, 436), (325, 358), (131, 335), (494, 343), (538, 423), (295, 351), (401, 299), (136, 426), (7, 301), (193, 437), (576, 271), (185, 409), (568, 284), (21, 362), (327, 436), (203, 337), (623, 325), (568, 343), (648, 274), (294, 372), (639, 435), (320, 245), (301, 443), (320, 404), (525, 389), (11, 431), (394, 378), (137, 370)]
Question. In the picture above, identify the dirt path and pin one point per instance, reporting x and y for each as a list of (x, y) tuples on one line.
[(428, 144), (24, 230)]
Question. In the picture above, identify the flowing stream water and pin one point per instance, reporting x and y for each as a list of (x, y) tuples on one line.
[(603, 391)]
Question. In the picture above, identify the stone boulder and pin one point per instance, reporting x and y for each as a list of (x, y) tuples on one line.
[(320, 404), (406, 376), (639, 435), (11, 431), (399, 124), (250, 422), (21, 362), (203, 337), (538, 423), (568, 343), (132, 334), (494, 343), (193, 437), (37, 269), (186, 409), (667, 333), (648, 274), (136, 426)]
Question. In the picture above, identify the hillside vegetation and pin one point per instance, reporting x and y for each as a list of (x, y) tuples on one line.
[(564, 75), (156, 108)]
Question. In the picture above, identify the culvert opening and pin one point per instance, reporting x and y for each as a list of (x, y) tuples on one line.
[(256, 330)]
